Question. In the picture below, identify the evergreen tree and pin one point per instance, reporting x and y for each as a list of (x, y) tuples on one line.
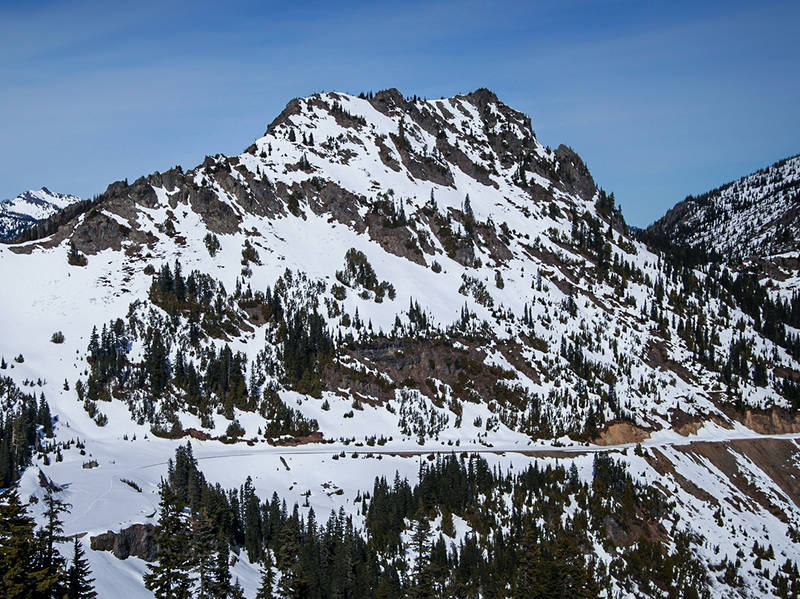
[(74, 257), (170, 576), (220, 581), (252, 521), (79, 581), (237, 592), (292, 584), (44, 417), (156, 363), (203, 543), (20, 574), (53, 531), (423, 579), (267, 579), (49, 558)]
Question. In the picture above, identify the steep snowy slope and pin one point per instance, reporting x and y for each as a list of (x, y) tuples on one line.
[(28, 208), (388, 274), (475, 226), (755, 216)]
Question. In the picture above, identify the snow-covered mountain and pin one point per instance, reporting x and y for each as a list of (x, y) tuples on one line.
[(28, 208), (381, 276), (755, 216)]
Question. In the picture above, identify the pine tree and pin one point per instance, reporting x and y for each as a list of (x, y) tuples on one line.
[(423, 580), (252, 522), (74, 257), (292, 584), (53, 531), (267, 579), (6, 464), (79, 581), (170, 576), (20, 574), (48, 557), (156, 363), (530, 580), (44, 417), (220, 581), (203, 543), (237, 592)]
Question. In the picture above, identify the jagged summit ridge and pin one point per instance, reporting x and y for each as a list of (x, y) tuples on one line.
[(459, 144)]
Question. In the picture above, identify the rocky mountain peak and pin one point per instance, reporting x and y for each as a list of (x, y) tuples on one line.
[(469, 145)]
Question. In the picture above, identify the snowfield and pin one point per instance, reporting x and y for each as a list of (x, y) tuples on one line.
[(544, 290)]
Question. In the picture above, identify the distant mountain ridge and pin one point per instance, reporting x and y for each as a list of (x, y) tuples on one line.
[(756, 216), (29, 208)]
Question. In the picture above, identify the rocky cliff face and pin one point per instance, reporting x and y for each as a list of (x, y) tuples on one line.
[(427, 142), (137, 540)]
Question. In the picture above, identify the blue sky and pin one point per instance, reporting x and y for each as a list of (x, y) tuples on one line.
[(660, 99)]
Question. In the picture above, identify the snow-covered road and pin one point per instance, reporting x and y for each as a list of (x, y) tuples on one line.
[(532, 450)]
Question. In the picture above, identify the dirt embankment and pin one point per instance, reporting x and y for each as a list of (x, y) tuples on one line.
[(773, 422), (661, 464), (777, 458), (620, 433), (686, 424)]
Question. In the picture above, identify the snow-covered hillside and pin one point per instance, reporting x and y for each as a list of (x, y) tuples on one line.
[(28, 208), (755, 216), (388, 274)]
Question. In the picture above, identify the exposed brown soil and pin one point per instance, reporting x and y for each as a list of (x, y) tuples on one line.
[(625, 536), (787, 373), (689, 424), (315, 437), (620, 433), (778, 458), (775, 421), (196, 434)]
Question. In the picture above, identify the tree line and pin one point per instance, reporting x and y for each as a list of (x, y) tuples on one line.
[(522, 539)]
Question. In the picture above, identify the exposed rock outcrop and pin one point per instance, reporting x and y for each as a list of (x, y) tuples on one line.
[(137, 540)]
